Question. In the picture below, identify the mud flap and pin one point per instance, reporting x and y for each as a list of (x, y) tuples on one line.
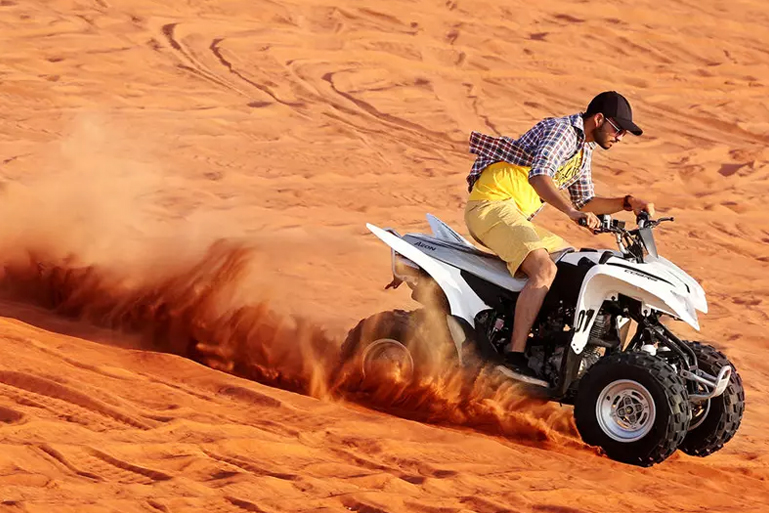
[(394, 284), (569, 370)]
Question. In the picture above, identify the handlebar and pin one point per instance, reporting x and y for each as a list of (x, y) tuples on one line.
[(608, 225), (636, 244), (642, 219)]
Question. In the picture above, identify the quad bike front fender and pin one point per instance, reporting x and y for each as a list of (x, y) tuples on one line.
[(604, 282), (696, 292)]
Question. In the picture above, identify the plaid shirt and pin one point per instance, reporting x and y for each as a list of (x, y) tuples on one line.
[(544, 148)]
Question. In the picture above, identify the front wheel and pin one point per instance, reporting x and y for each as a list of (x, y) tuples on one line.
[(634, 406), (716, 420)]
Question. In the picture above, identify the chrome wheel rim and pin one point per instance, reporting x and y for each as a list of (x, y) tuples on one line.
[(625, 411), (699, 415), (387, 354)]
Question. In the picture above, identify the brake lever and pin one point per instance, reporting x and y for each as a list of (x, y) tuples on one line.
[(583, 222), (656, 222)]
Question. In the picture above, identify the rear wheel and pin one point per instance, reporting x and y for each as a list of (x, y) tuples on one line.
[(715, 421), (398, 344), (634, 406)]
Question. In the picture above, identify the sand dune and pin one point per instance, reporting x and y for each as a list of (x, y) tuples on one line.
[(184, 194)]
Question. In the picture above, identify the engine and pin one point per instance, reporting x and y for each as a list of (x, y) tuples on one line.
[(550, 337), (497, 327), (553, 336)]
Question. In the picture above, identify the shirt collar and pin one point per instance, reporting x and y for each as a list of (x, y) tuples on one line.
[(578, 122)]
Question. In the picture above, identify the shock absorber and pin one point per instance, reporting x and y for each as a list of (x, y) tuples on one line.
[(601, 326)]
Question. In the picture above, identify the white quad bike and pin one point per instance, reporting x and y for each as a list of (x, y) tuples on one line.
[(639, 392)]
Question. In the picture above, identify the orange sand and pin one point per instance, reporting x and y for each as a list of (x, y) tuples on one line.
[(187, 184)]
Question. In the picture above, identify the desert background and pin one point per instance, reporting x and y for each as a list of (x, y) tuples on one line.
[(203, 171)]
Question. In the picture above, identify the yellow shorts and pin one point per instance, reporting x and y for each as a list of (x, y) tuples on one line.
[(501, 227)]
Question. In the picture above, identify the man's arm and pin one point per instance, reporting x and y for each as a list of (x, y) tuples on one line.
[(598, 205), (556, 144), (547, 190)]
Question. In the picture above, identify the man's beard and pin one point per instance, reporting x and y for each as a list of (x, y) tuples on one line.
[(597, 138)]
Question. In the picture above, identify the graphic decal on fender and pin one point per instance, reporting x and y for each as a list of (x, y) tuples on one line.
[(421, 244), (583, 320)]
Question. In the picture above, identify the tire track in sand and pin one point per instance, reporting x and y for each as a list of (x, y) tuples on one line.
[(217, 51), (249, 466), (64, 402), (99, 466), (192, 65)]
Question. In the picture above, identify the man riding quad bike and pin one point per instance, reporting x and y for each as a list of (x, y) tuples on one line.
[(586, 326)]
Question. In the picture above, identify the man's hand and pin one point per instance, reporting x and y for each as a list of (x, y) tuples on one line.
[(638, 205), (591, 220)]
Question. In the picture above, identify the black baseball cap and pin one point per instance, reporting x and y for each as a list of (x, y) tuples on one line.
[(613, 105)]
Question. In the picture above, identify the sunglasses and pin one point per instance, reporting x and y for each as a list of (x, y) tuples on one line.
[(618, 132)]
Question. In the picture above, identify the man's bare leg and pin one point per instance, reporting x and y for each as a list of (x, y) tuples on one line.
[(540, 270)]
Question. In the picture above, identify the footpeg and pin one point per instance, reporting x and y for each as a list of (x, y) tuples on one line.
[(521, 377)]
